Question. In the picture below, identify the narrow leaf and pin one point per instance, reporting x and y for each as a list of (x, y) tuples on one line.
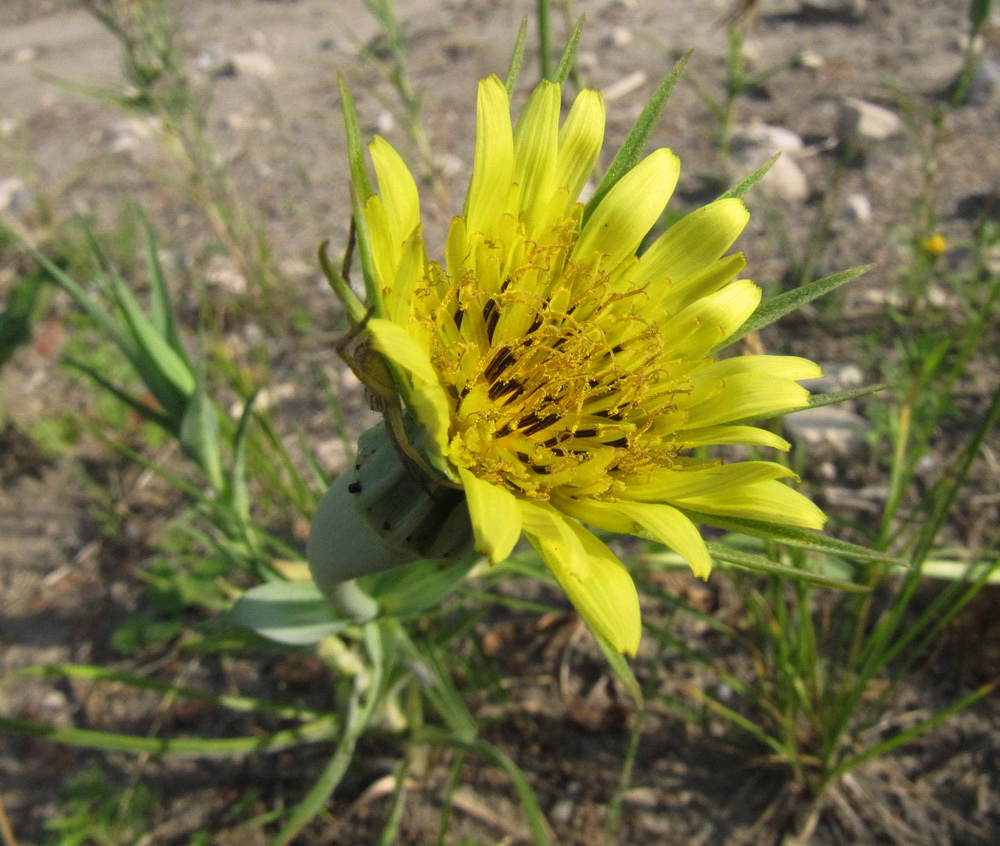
[(622, 669), (777, 307), (516, 59), (565, 66), (630, 153), (745, 184), (796, 537), (295, 613), (319, 730), (757, 563)]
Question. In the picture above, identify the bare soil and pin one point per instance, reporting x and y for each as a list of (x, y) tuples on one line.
[(79, 525)]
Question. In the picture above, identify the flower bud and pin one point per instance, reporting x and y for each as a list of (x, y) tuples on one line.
[(384, 512)]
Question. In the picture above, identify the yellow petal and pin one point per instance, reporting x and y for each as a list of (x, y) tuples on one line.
[(427, 397), (773, 502), (495, 516), (743, 396), (694, 242), (747, 435), (493, 168), (596, 582), (535, 148), (397, 189), (580, 140), (630, 209), (660, 521), (710, 320), (711, 480)]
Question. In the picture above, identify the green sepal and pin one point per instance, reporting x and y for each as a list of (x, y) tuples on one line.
[(565, 66), (794, 536), (759, 564), (777, 307), (630, 153), (516, 58), (745, 184), (361, 192)]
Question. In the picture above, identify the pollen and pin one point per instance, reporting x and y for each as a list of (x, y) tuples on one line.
[(555, 374)]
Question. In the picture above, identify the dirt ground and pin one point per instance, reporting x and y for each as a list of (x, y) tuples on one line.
[(271, 68)]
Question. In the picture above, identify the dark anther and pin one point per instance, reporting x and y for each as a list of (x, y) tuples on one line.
[(354, 487), (532, 423), (501, 361), (585, 433), (498, 389), (491, 314), (618, 442), (459, 314)]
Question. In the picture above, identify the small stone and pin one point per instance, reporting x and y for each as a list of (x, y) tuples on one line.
[(834, 428), (626, 85), (23, 55), (857, 208), (132, 136), (834, 10), (810, 60), (754, 144), (836, 377), (222, 274), (254, 63), (15, 197), (215, 62), (861, 123), (620, 37)]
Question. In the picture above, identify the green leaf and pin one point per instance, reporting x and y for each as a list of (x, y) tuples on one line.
[(621, 668), (145, 411), (295, 613), (199, 432), (630, 153), (796, 537), (777, 307), (516, 59), (565, 66), (759, 564), (161, 311), (322, 729), (745, 184), (239, 498), (16, 319), (820, 400), (416, 586)]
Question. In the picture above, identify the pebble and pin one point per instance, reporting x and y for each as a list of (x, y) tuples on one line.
[(222, 274), (834, 10), (857, 208), (15, 197), (215, 62), (754, 144), (132, 136), (860, 123), (254, 63), (830, 427), (836, 377)]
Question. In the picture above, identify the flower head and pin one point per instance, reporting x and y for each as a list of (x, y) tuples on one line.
[(561, 378)]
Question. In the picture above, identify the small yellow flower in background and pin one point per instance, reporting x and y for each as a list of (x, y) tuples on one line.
[(934, 245), (560, 377)]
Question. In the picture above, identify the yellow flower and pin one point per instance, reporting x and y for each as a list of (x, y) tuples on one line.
[(561, 377), (934, 245)]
